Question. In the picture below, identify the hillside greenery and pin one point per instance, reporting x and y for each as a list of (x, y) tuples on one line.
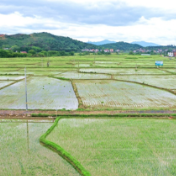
[(46, 44), (122, 46), (38, 42), (42, 42)]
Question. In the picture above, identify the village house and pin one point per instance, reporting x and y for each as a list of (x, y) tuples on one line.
[(85, 50), (172, 54), (24, 52), (106, 50)]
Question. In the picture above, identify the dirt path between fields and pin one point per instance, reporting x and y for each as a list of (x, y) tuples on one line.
[(22, 114)]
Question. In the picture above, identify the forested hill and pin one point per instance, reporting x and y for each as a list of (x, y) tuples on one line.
[(122, 46), (44, 41)]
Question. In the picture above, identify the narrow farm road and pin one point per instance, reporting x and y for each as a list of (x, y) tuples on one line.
[(23, 114)]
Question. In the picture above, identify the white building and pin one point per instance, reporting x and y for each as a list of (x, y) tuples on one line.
[(170, 54)]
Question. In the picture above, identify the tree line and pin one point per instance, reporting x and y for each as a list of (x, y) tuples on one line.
[(33, 53)]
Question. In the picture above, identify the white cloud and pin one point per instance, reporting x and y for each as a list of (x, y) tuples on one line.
[(17, 19), (164, 4), (153, 30)]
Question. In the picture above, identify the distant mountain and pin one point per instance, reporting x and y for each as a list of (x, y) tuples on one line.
[(44, 41), (122, 46), (145, 44), (101, 42)]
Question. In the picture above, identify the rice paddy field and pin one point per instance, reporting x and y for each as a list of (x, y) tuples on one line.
[(92, 83), (52, 87), (125, 71), (43, 93), (163, 81), (108, 147), (118, 94), (22, 154), (5, 83), (78, 75)]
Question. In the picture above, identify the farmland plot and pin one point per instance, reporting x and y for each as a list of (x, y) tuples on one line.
[(171, 70), (106, 65), (102, 94), (77, 75), (109, 147), (43, 93), (3, 78), (10, 72), (45, 71), (124, 71), (15, 158), (82, 65), (106, 62), (164, 81), (5, 83)]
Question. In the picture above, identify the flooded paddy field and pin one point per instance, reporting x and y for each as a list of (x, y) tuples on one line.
[(43, 93), (164, 81), (115, 94), (77, 75), (5, 83), (123, 71), (15, 78), (22, 154), (171, 70), (119, 146), (82, 65)]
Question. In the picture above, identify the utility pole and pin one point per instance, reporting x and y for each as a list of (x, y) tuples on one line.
[(26, 90), (48, 60), (27, 137)]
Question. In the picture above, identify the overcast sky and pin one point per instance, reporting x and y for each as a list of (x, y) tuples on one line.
[(94, 20)]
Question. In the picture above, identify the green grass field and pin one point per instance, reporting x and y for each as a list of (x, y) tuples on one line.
[(108, 147), (14, 156)]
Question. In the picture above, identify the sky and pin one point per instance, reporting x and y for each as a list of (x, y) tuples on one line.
[(93, 20)]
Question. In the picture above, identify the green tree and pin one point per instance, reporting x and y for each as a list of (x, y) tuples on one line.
[(131, 53), (32, 52), (15, 48)]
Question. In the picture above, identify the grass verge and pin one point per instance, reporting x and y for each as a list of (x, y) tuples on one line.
[(64, 154), (109, 115)]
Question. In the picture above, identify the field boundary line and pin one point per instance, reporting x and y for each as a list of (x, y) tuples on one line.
[(64, 154), (80, 106), (148, 85), (167, 71), (12, 83), (111, 116)]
